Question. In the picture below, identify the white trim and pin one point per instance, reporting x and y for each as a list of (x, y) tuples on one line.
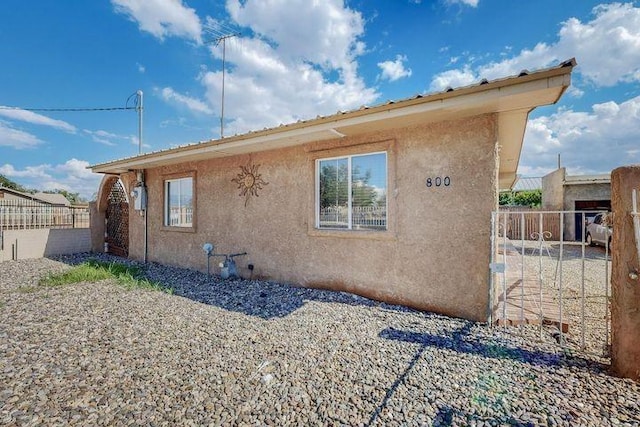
[(167, 202)]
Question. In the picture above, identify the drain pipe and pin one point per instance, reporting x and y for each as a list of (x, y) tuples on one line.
[(636, 222), (146, 226), (146, 222), (140, 203)]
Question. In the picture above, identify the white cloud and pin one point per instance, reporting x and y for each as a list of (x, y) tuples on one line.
[(193, 104), (36, 119), (301, 62), (72, 176), (133, 139), (589, 142), (15, 138), (141, 68), (607, 48), (76, 169), (101, 137), (324, 33), (453, 78), (472, 3), (38, 172), (162, 18), (394, 70), (107, 138)]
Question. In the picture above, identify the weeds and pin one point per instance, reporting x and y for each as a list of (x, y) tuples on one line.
[(94, 271)]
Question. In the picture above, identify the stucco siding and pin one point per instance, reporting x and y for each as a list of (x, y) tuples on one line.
[(553, 190), (434, 255), (581, 192), (26, 244)]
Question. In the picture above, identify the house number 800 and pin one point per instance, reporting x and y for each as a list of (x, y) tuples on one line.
[(438, 181)]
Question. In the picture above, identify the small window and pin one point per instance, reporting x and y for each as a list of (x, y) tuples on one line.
[(351, 192), (178, 202)]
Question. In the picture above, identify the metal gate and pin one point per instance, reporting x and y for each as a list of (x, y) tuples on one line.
[(117, 221), (542, 275)]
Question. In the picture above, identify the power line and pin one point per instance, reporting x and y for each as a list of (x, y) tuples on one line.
[(68, 109), (137, 106)]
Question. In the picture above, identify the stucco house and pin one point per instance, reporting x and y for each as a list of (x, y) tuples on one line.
[(392, 202), (587, 193)]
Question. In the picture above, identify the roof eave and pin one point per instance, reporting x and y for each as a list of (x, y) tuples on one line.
[(473, 98)]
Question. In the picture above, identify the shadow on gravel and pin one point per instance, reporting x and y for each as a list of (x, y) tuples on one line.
[(461, 341), (263, 299), (446, 414)]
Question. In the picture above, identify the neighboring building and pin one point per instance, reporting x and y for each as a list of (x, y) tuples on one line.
[(392, 202), (527, 184), (587, 193), (55, 200)]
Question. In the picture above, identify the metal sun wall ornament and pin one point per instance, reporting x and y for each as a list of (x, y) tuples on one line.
[(249, 182)]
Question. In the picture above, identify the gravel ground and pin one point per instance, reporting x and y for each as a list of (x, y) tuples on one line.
[(257, 353)]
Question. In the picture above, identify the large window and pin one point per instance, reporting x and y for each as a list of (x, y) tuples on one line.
[(351, 192), (178, 202)]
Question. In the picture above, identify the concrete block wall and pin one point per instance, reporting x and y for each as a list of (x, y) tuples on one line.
[(25, 244)]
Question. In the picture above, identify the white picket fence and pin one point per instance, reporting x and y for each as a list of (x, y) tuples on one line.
[(373, 217)]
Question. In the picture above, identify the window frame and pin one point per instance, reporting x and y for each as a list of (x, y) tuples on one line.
[(166, 223), (349, 228)]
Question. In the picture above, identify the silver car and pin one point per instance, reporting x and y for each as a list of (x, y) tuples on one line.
[(599, 230)]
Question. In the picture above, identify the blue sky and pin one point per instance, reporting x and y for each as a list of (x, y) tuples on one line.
[(296, 59)]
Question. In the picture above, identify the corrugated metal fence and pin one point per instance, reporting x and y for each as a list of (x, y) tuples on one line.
[(31, 215)]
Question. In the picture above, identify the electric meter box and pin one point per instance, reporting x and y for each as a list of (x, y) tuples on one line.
[(139, 195)]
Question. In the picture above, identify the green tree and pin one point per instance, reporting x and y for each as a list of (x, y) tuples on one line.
[(7, 183), (505, 198), (362, 193), (334, 188), (531, 198), (333, 184)]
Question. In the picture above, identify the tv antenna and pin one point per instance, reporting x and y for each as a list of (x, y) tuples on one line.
[(139, 108), (221, 34)]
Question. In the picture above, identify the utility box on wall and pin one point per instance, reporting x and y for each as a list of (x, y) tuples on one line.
[(139, 195)]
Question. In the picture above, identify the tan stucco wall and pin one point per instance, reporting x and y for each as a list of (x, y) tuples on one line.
[(625, 285), (97, 227), (581, 192), (558, 195), (435, 255), (27, 244), (553, 190)]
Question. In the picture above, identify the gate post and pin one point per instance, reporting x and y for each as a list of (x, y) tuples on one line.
[(96, 218), (625, 285)]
